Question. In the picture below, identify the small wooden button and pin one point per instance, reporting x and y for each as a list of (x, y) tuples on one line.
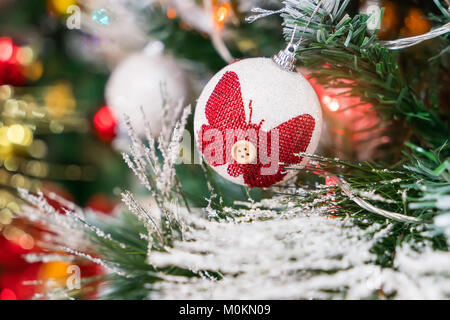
[(243, 152)]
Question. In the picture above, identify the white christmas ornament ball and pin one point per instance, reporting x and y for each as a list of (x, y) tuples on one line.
[(252, 120), (139, 82)]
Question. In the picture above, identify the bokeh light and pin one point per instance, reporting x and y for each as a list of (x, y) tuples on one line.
[(6, 49), (105, 123), (7, 294), (222, 13), (59, 7), (331, 103)]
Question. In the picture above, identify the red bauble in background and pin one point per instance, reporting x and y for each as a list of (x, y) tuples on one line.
[(101, 203), (105, 123), (353, 128)]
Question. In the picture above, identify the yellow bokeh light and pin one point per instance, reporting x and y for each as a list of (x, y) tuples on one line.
[(13, 206), (3, 198), (60, 6), (56, 127), (25, 56), (37, 169), (5, 92), (6, 148), (28, 137), (6, 152), (247, 45), (19, 181), (4, 178), (16, 133), (11, 108), (11, 164), (20, 135), (34, 71), (38, 149), (4, 141), (59, 100), (5, 216)]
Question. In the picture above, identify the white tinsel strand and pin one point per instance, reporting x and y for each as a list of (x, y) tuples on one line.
[(352, 195), (371, 208), (412, 41)]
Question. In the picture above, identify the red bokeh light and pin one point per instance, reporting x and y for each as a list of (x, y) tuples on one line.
[(331, 103), (105, 123), (6, 49), (101, 203), (7, 294), (11, 72), (14, 282)]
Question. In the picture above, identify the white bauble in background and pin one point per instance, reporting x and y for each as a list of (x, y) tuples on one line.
[(265, 105), (139, 81)]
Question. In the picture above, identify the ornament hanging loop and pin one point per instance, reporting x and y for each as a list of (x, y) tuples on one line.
[(286, 58)]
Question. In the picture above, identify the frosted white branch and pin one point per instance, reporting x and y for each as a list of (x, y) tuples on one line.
[(295, 254)]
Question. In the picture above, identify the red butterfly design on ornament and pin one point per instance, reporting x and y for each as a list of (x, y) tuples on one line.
[(260, 156)]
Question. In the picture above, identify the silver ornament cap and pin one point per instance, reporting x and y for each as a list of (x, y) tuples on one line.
[(286, 58)]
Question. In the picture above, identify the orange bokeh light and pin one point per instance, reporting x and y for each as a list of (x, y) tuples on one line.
[(222, 13), (171, 13), (416, 23)]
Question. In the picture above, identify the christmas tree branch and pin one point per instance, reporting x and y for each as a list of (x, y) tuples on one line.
[(419, 186)]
